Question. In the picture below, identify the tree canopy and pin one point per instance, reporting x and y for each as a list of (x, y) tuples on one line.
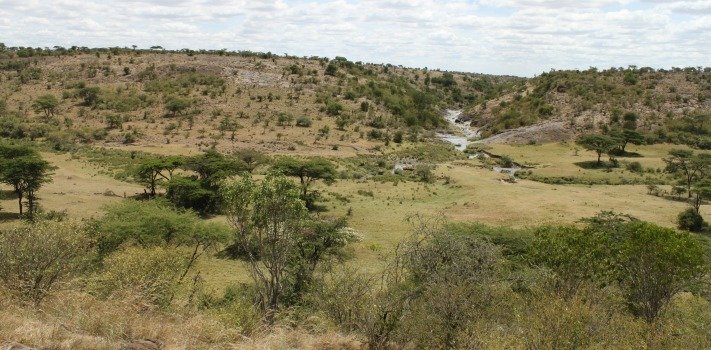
[(47, 104), (23, 169), (308, 171), (598, 143)]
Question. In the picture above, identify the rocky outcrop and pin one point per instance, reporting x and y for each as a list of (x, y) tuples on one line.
[(538, 133)]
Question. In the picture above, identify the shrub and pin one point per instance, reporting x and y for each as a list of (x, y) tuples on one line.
[(334, 108), (691, 220), (635, 167), (149, 275), (36, 259), (303, 122), (144, 223), (424, 173)]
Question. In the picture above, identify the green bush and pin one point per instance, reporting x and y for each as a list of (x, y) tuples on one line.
[(303, 122), (635, 167), (142, 223), (690, 220)]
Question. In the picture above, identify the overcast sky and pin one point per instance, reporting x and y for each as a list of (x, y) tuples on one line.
[(523, 37)]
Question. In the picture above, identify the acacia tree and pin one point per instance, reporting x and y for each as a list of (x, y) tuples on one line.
[(688, 167), (176, 105), (598, 143), (251, 158), (152, 172), (47, 104), (308, 171), (702, 191), (625, 137), (26, 172)]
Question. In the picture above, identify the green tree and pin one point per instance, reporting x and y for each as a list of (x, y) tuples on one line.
[(334, 108), (90, 96), (153, 172), (650, 263), (268, 217), (24, 170), (212, 167), (627, 136), (331, 69), (688, 167), (37, 258), (176, 105), (251, 158), (281, 243), (190, 192), (47, 104), (308, 171), (448, 275), (155, 223), (114, 121), (654, 264), (690, 220), (598, 143), (702, 191), (629, 121)]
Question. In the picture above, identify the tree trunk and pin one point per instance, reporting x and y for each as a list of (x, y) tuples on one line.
[(31, 204), (19, 200)]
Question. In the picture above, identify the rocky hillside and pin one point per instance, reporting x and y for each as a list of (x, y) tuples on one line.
[(224, 99), (560, 104)]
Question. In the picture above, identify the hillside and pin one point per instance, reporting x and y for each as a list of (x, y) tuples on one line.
[(560, 104), (225, 100)]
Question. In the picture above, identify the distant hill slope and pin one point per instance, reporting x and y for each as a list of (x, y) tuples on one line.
[(224, 99), (664, 102), (315, 105)]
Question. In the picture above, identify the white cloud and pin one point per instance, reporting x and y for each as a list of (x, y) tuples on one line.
[(509, 36)]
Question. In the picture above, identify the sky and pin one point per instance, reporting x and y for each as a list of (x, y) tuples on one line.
[(524, 37)]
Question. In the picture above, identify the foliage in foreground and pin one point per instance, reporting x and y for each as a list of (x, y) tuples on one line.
[(615, 282)]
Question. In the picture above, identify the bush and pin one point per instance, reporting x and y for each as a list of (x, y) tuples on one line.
[(635, 167), (334, 108), (149, 275), (145, 223), (303, 122), (690, 220), (36, 259), (424, 173)]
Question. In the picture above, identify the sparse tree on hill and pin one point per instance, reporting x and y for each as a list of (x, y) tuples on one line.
[(47, 104), (90, 96), (176, 105)]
